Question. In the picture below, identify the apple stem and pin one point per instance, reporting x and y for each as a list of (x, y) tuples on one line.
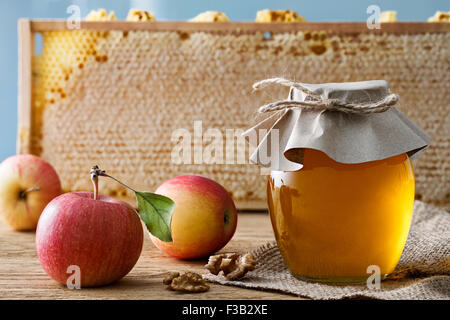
[(94, 179), (24, 193), (36, 188), (96, 172)]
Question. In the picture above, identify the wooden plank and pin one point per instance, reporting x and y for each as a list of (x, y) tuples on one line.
[(26, 51), (245, 27), (22, 277)]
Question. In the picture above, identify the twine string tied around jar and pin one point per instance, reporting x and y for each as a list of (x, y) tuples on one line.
[(314, 100)]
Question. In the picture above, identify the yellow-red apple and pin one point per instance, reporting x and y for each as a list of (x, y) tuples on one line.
[(101, 237), (27, 185), (204, 218)]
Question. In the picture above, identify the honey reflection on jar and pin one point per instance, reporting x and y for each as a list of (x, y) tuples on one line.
[(333, 220)]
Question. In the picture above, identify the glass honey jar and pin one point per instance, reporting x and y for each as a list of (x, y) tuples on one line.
[(332, 220), (340, 191)]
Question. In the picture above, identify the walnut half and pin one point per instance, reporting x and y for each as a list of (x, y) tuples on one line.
[(187, 282), (233, 265)]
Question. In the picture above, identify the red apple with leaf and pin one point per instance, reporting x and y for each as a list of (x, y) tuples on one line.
[(103, 236), (204, 218)]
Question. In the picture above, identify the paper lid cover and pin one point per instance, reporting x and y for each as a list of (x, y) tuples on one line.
[(345, 137)]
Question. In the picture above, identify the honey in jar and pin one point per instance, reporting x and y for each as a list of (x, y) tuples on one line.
[(333, 220), (341, 186)]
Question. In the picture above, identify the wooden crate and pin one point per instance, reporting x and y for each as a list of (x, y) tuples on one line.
[(113, 93)]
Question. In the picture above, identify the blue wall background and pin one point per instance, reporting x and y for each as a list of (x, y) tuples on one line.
[(237, 10)]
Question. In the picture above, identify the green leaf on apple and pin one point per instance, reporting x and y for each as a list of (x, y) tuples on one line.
[(156, 212)]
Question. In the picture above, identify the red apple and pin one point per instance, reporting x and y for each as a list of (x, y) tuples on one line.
[(27, 184), (204, 218), (102, 237)]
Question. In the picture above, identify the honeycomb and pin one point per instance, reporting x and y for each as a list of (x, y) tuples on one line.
[(115, 98), (64, 54), (278, 16), (140, 15), (388, 16), (440, 16), (210, 16), (100, 15)]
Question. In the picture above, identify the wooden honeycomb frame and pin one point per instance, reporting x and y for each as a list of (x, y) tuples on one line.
[(432, 169)]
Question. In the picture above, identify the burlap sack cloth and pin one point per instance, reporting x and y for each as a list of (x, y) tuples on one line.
[(422, 273)]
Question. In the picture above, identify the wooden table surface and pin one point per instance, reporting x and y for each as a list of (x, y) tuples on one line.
[(22, 277)]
